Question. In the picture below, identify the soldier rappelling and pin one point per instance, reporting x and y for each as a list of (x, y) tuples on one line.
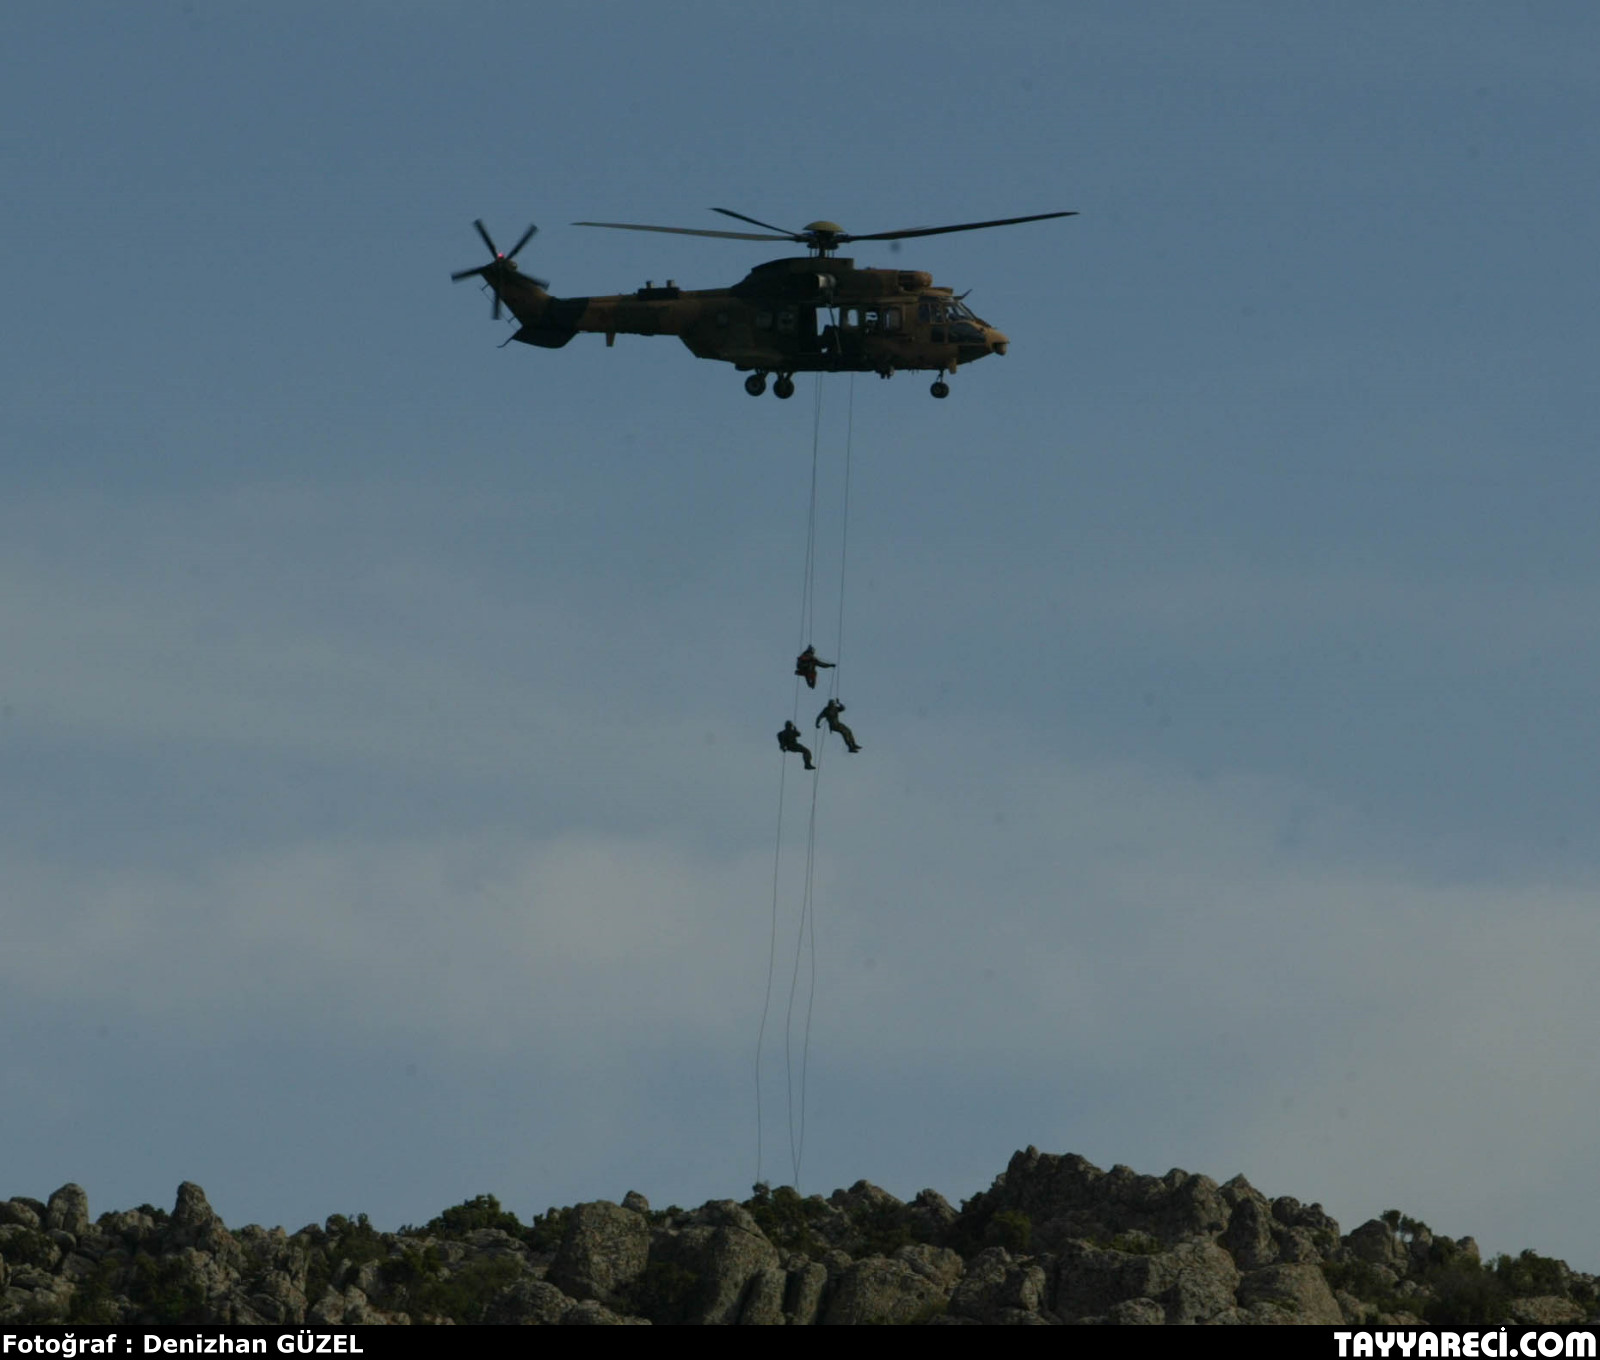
[(789, 740), (806, 664), (831, 712)]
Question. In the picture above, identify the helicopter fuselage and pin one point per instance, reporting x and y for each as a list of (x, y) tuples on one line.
[(800, 314)]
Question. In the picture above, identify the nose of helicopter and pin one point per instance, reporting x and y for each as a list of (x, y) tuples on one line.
[(998, 341)]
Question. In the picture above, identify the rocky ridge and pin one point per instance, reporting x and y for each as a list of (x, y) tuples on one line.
[(1053, 1240)]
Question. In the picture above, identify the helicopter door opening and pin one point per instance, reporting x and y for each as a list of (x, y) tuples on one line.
[(808, 334), (849, 331), (798, 325)]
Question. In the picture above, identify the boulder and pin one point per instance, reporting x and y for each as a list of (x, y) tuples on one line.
[(938, 1264), (995, 1287), (1066, 1197), (1375, 1241), (195, 1224), (1137, 1313), (1193, 1282), (1249, 1236), (68, 1210), (603, 1251), (591, 1313), (929, 1216), (1300, 1245), (1546, 1310), (279, 1299), (802, 1295), (763, 1300), (1296, 1293), (700, 1273), (18, 1212), (528, 1303), (878, 1290)]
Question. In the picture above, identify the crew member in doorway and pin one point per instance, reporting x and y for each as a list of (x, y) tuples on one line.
[(831, 712), (806, 665), (789, 740)]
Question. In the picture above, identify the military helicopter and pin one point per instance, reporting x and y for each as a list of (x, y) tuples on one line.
[(816, 314)]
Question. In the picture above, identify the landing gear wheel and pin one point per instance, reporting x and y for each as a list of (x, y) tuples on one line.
[(940, 388), (783, 389), (756, 384)]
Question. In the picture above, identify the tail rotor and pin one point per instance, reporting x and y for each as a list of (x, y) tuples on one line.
[(501, 266)]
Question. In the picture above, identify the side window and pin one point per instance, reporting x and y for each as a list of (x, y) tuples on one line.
[(891, 319), (786, 320), (924, 312), (763, 321), (852, 317), (871, 318)]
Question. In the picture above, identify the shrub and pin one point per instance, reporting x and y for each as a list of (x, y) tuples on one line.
[(1365, 1282), (482, 1211), (883, 1228), (786, 1219), (1464, 1295), (163, 1291), (544, 1234), (1135, 1243), (464, 1294), (1011, 1229), (1530, 1274)]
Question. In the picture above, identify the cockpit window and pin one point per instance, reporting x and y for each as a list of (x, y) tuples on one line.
[(940, 309)]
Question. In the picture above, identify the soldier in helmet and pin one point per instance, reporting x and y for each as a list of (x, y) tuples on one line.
[(806, 664), (831, 712), (789, 740)]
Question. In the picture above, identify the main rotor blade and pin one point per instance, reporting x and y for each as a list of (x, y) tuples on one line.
[(487, 239), (467, 273), (690, 231), (963, 226), (526, 237), (729, 212)]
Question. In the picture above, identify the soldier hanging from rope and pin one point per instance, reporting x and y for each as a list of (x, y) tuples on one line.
[(789, 740), (831, 712), (805, 666)]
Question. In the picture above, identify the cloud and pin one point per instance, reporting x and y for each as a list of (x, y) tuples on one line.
[(437, 818)]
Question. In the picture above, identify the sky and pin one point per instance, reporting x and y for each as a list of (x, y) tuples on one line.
[(389, 805)]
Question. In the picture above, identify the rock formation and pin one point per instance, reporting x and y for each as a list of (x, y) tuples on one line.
[(1053, 1240)]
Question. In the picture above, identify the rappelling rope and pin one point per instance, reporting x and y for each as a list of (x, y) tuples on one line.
[(808, 917), (844, 536), (806, 936), (772, 958), (807, 622), (797, 1136), (808, 596), (808, 932)]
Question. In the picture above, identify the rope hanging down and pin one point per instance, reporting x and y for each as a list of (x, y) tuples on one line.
[(805, 948)]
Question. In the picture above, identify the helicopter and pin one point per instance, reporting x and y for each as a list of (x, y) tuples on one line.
[(813, 314)]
